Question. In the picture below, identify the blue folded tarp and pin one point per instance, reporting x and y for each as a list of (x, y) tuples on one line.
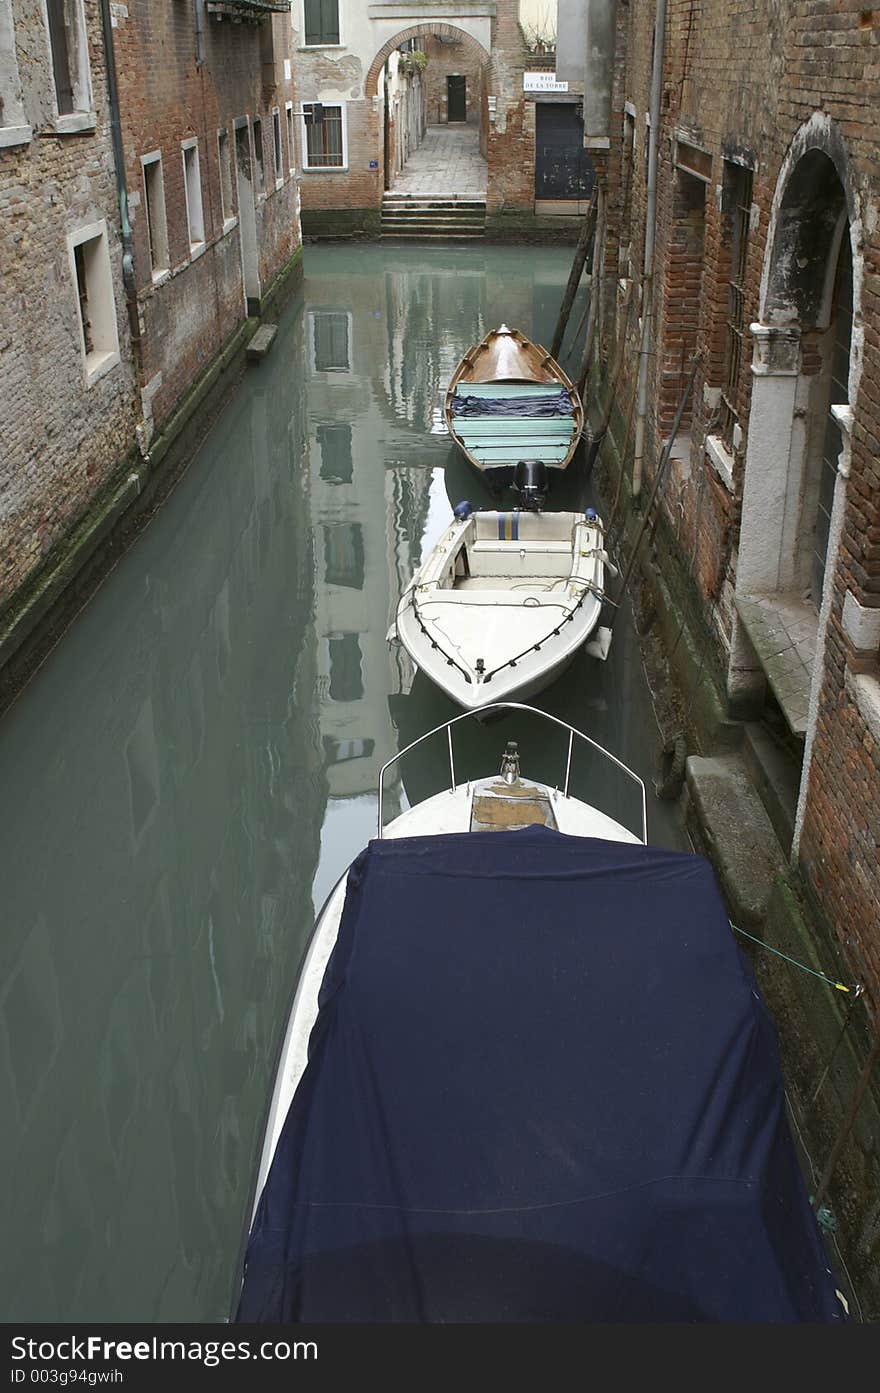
[(542, 1086), (514, 407)]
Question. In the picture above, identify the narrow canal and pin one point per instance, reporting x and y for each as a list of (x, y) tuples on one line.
[(197, 761)]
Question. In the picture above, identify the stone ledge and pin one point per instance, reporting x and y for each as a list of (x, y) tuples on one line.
[(737, 834), (865, 692)]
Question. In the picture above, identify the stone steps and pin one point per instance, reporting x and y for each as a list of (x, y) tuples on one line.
[(443, 218)]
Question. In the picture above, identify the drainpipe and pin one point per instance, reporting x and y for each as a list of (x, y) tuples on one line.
[(119, 162), (199, 6), (648, 264)]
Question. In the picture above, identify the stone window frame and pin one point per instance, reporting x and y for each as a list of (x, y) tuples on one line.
[(83, 116), (339, 42), (227, 194), (14, 129), (277, 148), (291, 138), (156, 212), (192, 189), (342, 168), (104, 354)]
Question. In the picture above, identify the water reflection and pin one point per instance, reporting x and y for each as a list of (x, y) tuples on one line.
[(198, 760), (162, 796)]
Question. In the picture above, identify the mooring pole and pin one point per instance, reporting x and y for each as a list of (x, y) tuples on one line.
[(595, 274), (574, 279)]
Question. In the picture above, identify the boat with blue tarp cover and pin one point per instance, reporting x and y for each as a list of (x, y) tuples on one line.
[(512, 410), (528, 1076)]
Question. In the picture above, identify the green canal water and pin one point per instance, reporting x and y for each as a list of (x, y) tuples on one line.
[(197, 762)]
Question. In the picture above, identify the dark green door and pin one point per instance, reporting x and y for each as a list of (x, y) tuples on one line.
[(456, 97)]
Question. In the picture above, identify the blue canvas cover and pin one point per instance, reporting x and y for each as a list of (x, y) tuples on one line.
[(560, 404), (541, 1087)]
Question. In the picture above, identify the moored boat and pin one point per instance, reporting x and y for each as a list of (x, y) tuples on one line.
[(513, 411), (527, 1076), (503, 602)]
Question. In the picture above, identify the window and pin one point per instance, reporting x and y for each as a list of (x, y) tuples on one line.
[(291, 155), (68, 43), (13, 127), (627, 172), (96, 305), (335, 445), (157, 226), (330, 340), (323, 137), (227, 206), (321, 21), (737, 207), (258, 155), (276, 146), (841, 325), (338, 751), (344, 554), (346, 679), (193, 184)]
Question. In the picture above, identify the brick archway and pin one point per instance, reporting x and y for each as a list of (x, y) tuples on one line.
[(471, 45)]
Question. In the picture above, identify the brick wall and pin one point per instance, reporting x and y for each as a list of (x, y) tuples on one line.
[(740, 82), (60, 441), (168, 97), (445, 58)]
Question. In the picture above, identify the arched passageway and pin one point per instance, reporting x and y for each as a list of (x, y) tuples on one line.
[(431, 78)]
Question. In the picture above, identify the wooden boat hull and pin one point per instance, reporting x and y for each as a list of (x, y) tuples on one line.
[(509, 400)]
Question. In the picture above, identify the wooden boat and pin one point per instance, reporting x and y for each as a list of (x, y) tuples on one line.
[(527, 1076), (503, 602), (509, 401)]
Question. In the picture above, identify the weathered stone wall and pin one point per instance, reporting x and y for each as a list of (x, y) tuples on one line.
[(60, 439), (167, 96), (786, 90), (739, 85)]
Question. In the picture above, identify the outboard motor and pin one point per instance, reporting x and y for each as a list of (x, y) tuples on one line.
[(530, 482)]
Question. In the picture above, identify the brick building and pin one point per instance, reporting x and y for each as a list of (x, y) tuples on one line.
[(207, 107), (68, 399), (765, 274), (481, 60), (150, 211)]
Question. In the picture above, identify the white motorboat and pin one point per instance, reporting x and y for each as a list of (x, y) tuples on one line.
[(503, 602), (527, 1076)]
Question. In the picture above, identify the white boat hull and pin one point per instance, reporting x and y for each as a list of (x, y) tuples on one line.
[(502, 604)]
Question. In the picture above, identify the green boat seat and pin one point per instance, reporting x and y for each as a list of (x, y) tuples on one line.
[(513, 426), (503, 454), (508, 389)]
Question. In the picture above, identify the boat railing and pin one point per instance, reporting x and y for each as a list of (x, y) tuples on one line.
[(481, 713)]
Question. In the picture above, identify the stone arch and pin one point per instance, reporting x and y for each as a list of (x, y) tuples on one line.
[(415, 31), (798, 449), (815, 199)]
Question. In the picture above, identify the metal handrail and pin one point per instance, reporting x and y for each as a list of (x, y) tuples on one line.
[(531, 711)]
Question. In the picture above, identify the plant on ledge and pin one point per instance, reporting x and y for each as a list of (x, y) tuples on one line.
[(411, 64)]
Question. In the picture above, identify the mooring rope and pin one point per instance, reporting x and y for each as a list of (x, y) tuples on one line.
[(839, 986)]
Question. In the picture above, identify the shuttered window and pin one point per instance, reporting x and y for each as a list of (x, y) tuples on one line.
[(322, 21)]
